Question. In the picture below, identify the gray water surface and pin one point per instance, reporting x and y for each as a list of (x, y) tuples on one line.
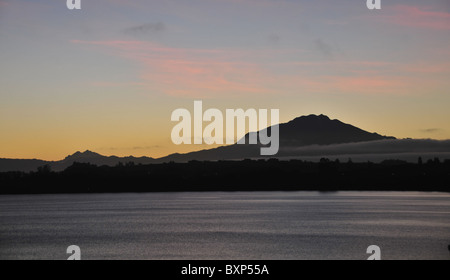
[(218, 225)]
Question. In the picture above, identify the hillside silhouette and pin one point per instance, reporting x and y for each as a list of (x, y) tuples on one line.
[(300, 132), (241, 168), (245, 175)]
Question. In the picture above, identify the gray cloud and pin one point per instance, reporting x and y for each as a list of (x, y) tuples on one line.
[(373, 147), (430, 130), (148, 28), (146, 147), (376, 151), (131, 148), (324, 48), (273, 38)]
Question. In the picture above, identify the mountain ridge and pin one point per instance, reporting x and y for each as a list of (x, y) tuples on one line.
[(299, 132)]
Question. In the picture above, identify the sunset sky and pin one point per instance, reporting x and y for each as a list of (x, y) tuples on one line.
[(107, 77)]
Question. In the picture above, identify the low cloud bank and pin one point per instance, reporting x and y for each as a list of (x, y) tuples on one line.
[(373, 147)]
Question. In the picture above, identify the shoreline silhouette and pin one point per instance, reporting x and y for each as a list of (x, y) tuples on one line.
[(244, 175)]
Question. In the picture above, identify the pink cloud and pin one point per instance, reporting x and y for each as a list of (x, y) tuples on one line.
[(368, 84), (428, 68), (116, 84), (190, 72), (206, 73), (369, 77), (418, 17)]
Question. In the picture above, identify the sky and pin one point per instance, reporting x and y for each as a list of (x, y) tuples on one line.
[(106, 78)]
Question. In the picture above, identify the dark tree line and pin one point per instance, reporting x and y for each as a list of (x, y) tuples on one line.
[(245, 175)]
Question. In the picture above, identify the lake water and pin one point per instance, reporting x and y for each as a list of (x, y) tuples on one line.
[(218, 225)]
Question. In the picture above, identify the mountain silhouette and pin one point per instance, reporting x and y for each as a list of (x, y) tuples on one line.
[(320, 130), (300, 132), (97, 159), (297, 137)]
